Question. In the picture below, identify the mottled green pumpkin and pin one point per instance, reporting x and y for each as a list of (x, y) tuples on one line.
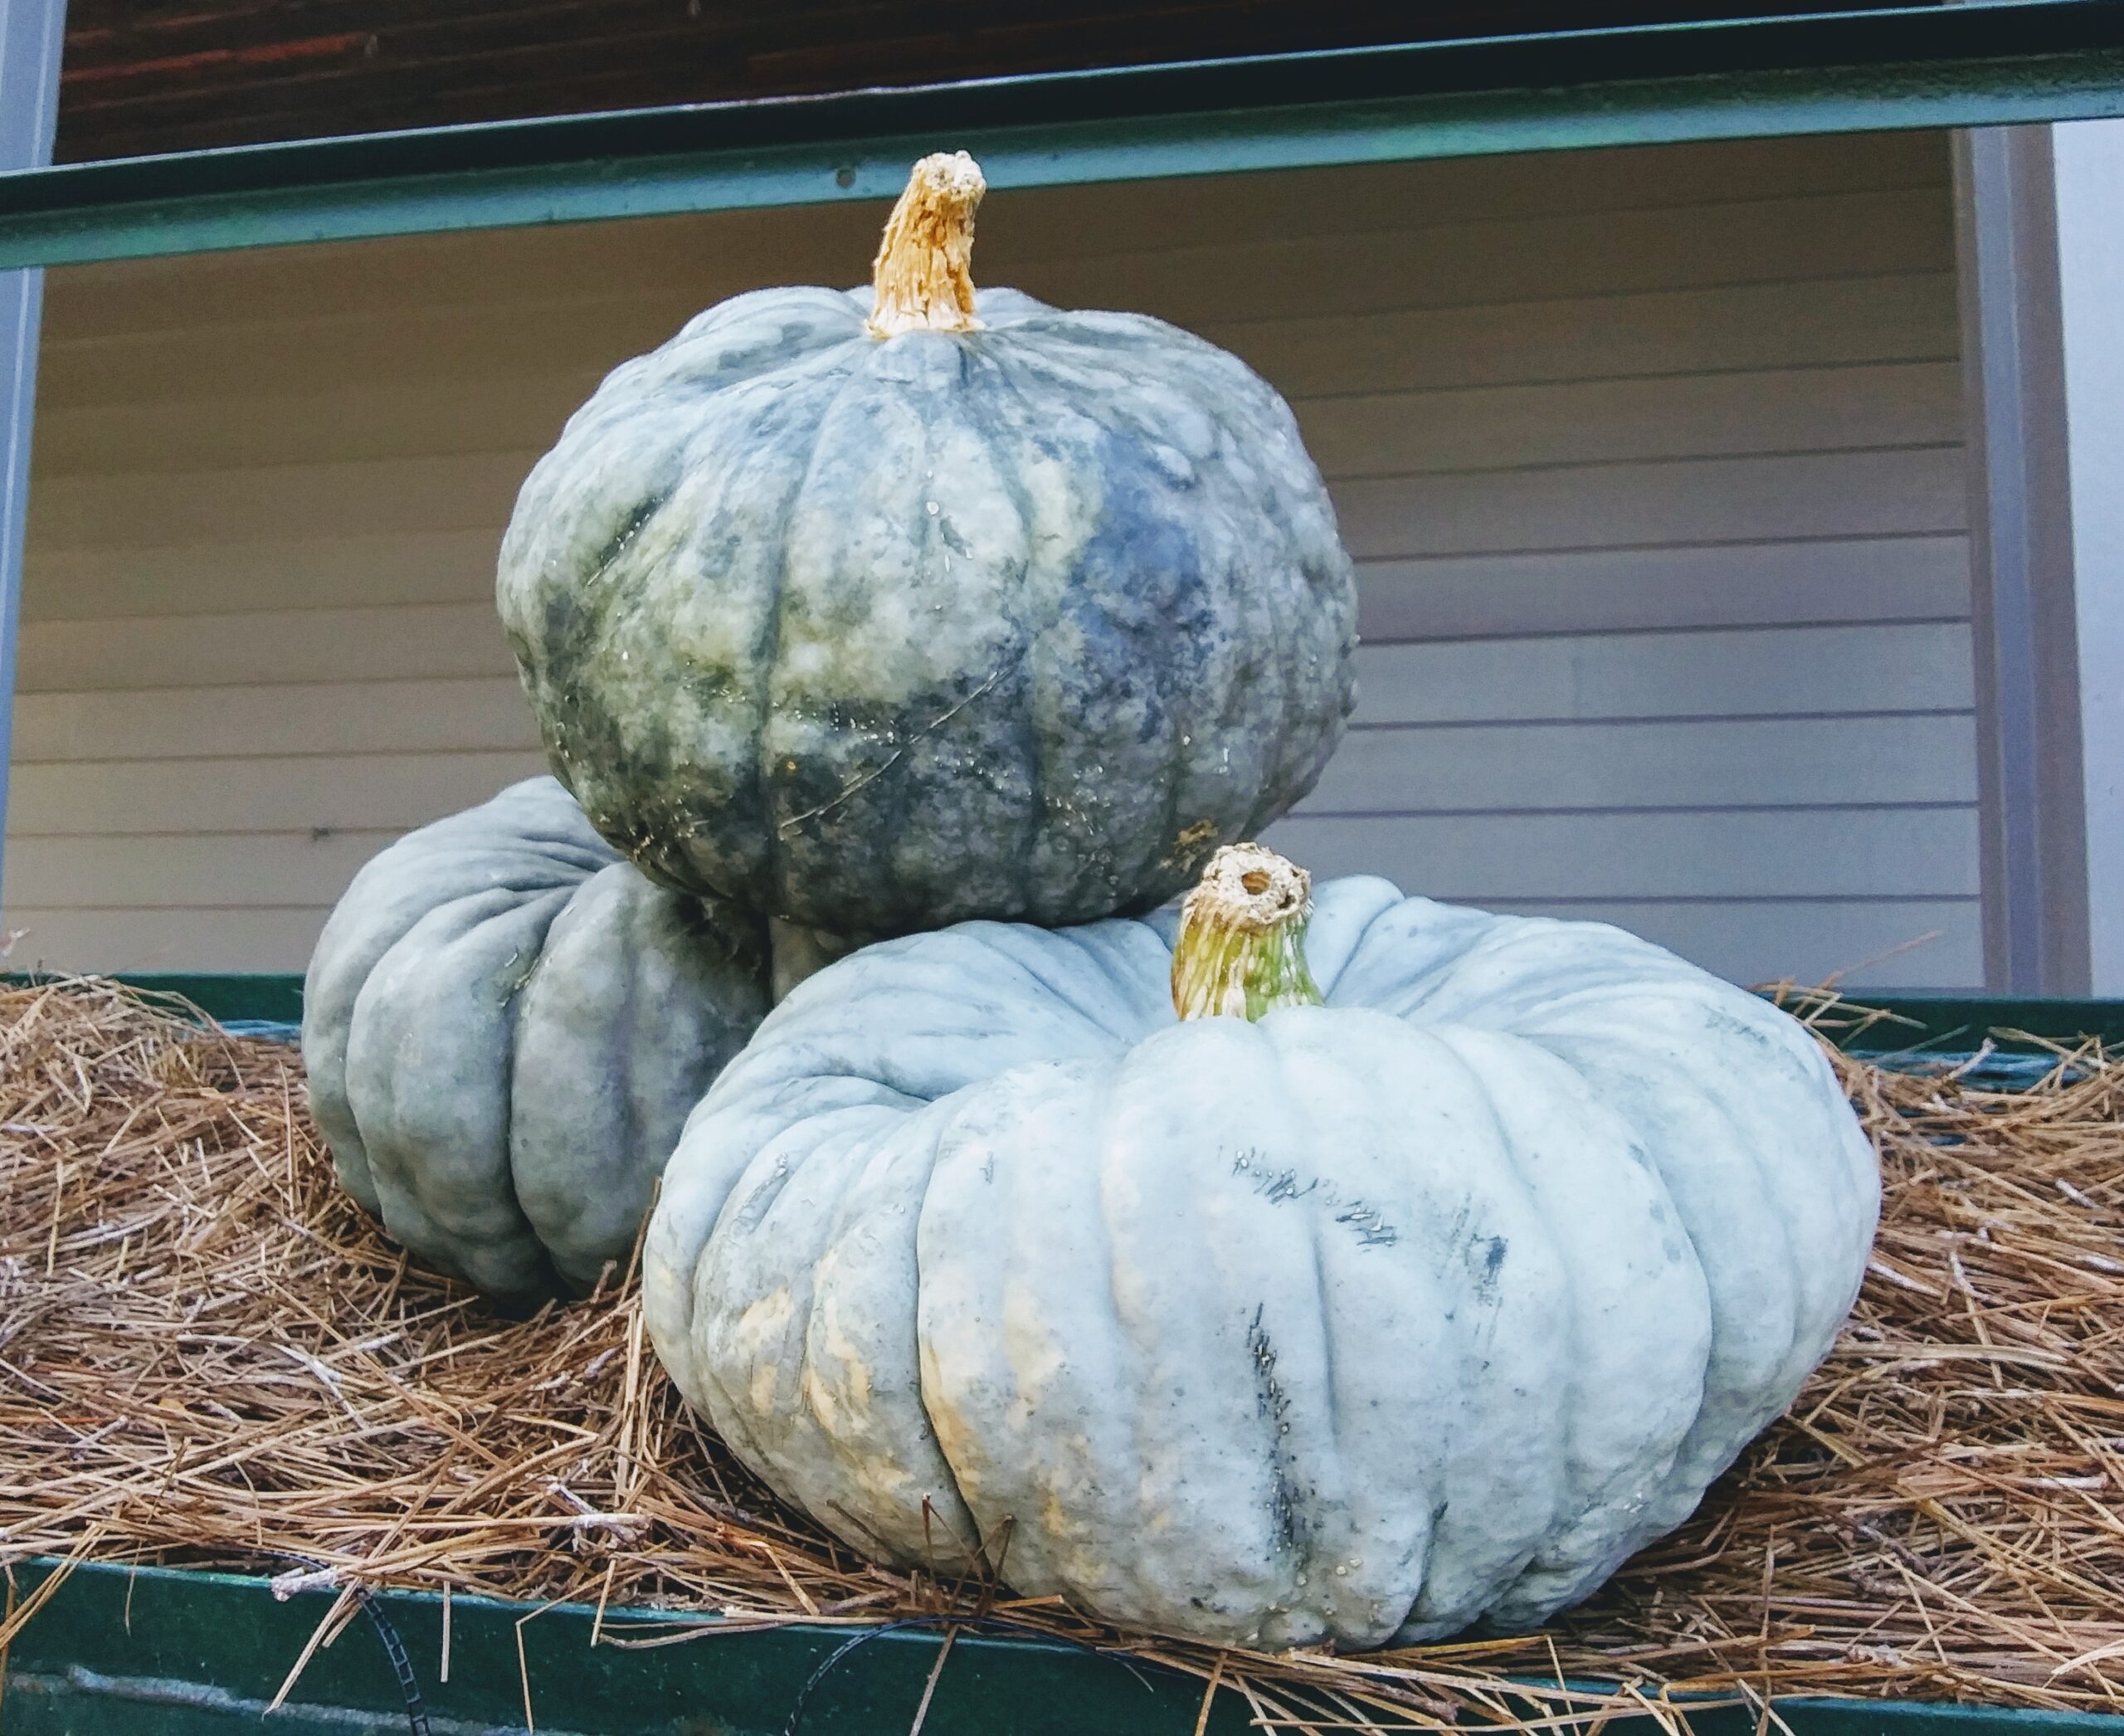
[(505, 1026), (881, 609)]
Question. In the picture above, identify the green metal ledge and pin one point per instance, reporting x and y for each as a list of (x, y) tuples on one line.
[(1958, 1024), (1940, 1024), (1983, 64), (228, 998), (119, 1650)]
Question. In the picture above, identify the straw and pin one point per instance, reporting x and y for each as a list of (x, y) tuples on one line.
[(209, 1356)]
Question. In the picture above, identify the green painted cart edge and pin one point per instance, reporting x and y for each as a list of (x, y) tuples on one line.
[(119, 1650), (1992, 62), (225, 996), (1948, 1023), (1956, 1024)]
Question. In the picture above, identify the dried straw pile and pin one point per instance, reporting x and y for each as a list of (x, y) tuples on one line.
[(207, 1355)]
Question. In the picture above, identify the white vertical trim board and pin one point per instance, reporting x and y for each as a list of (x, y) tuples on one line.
[(2042, 250), (31, 35), (2089, 167), (1652, 462), (2026, 680)]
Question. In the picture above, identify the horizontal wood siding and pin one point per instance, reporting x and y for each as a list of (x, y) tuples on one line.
[(1651, 460)]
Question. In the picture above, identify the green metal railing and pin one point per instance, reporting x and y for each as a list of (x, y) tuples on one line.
[(1985, 64), (126, 1652), (226, 996), (1918, 1024)]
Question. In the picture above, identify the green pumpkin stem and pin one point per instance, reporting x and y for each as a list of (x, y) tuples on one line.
[(922, 279), (1241, 949)]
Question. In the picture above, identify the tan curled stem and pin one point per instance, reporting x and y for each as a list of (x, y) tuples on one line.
[(922, 280)]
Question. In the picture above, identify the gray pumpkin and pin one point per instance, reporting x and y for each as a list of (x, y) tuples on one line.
[(1449, 1270), (505, 1026), (881, 609)]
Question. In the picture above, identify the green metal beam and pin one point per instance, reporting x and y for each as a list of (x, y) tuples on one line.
[(171, 1652), (240, 997), (2008, 61), (1953, 1023)]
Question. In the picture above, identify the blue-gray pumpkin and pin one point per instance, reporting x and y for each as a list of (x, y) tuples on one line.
[(505, 1026), (881, 609), (1259, 1292)]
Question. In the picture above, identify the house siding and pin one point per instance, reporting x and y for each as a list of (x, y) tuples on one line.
[(1651, 461)]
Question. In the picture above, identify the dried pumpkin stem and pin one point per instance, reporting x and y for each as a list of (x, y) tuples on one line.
[(1241, 949), (921, 281)]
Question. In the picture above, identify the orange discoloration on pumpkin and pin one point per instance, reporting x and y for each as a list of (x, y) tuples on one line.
[(848, 1389), (1032, 1348), (759, 1328), (957, 1440)]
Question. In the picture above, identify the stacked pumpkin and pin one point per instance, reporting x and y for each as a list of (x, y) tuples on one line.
[(1269, 1270)]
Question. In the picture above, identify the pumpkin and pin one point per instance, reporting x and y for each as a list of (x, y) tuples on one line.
[(504, 1026), (881, 609), (1407, 1277)]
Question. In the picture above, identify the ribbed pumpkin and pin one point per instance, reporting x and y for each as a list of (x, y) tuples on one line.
[(878, 609), (504, 1026), (1278, 1321)]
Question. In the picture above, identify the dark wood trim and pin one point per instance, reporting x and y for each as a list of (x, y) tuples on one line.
[(150, 75)]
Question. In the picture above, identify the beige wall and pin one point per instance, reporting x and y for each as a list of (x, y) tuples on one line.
[(1651, 459)]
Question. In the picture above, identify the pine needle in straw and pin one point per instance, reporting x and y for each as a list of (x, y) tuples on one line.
[(209, 1356)]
